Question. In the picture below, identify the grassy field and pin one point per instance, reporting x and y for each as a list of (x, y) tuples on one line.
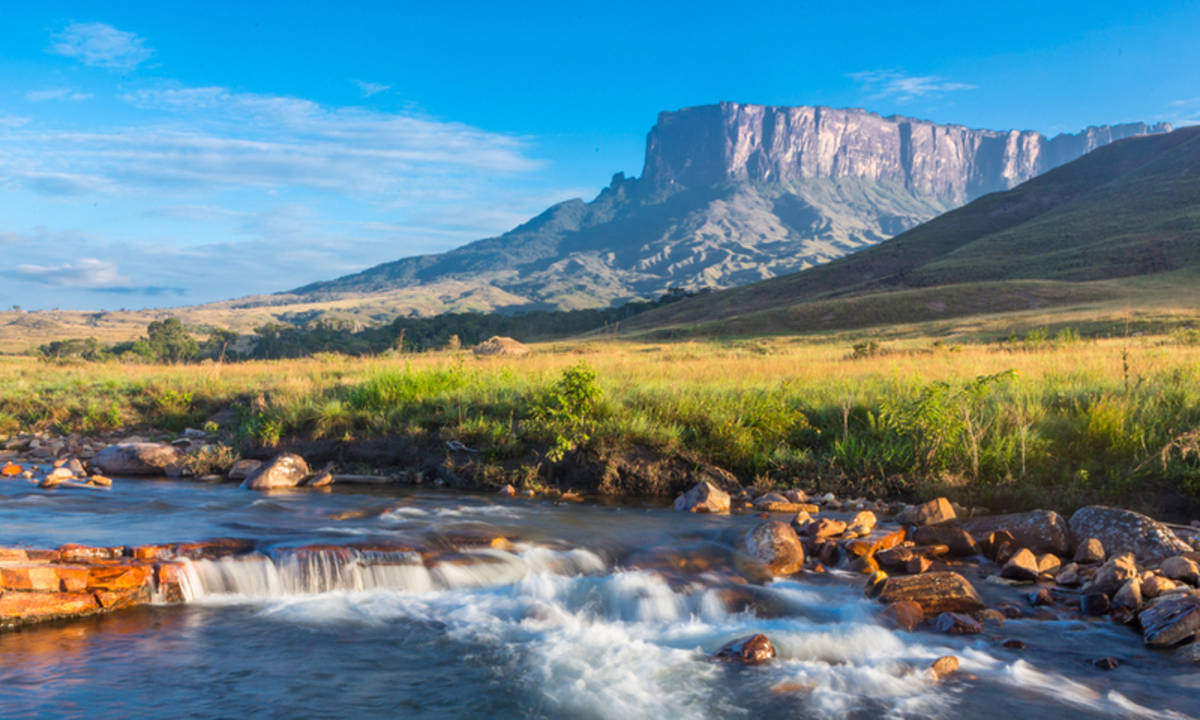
[(1042, 421)]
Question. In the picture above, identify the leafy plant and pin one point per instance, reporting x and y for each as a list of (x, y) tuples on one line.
[(566, 408)]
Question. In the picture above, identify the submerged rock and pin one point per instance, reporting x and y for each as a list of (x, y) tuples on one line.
[(902, 615), (1125, 531), (776, 545), (750, 650), (286, 470), (139, 458), (944, 666), (952, 623), (704, 497)]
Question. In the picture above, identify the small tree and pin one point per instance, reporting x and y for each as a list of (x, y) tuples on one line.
[(170, 341)]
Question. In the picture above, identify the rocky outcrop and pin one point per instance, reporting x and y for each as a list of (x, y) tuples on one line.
[(138, 458), (1125, 531)]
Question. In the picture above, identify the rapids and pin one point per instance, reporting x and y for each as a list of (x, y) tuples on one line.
[(588, 611)]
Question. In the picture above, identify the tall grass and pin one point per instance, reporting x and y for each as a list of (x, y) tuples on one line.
[(1003, 425)]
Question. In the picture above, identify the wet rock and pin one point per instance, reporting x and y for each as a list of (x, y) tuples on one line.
[(704, 497), (100, 481), (20, 608), (1190, 652), (902, 615), (862, 524), (1181, 568), (1090, 550), (1068, 576), (917, 564), (776, 545), (1022, 566), (138, 458), (1125, 531), (75, 467), (824, 528), (1107, 663), (1170, 619), (168, 579), (286, 470), (877, 541), (11, 470), (43, 578), (952, 623), (990, 542), (958, 540), (321, 479), (935, 592), (1012, 644), (1156, 585), (151, 552), (895, 557), (211, 549), (934, 512), (1094, 604), (1114, 573), (1039, 530), (507, 491), (72, 552), (1041, 596), (1129, 597), (801, 520), (751, 650), (241, 469), (944, 666), (118, 599), (118, 577)]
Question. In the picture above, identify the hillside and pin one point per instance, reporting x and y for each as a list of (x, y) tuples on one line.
[(731, 194), (1120, 225)]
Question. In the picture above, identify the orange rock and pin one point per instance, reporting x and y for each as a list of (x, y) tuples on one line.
[(169, 579), (117, 577), (35, 578), (220, 547), (18, 608), (118, 599), (11, 470), (72, 578), (84, 553), (877, 541), (902, 615), (151, 552), (13, 554)]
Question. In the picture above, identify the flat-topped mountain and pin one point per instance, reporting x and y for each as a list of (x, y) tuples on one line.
[(731, 194)]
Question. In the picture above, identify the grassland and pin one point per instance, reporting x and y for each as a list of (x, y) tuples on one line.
[(1039, 421)]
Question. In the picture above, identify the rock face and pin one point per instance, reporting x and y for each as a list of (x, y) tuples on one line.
[(137, 458), (776, 545), (703, 498), (732, 193), (1125, 531), (286, 470), (1039, 530)]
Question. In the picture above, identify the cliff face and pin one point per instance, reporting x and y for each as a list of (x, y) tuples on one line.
[(950, 164), (731, 194)]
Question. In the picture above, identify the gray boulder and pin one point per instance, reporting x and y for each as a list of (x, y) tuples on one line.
[(1125, 531), (137, 458), (286, 470)]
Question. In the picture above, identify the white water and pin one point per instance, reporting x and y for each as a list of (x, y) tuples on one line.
[(595, 641)]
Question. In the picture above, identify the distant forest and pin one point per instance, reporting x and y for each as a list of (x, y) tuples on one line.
[(169, 341)]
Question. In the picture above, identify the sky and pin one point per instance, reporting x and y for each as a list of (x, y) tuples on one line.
[(161, 154)]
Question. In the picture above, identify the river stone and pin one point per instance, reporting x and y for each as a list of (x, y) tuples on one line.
[(1171, 619), (957, 539), (1190, 652), (286, 470), (1119, 570), (139, 458), (1181, 568), (862, 524), (750, 650), (242, 468), (1156, 585), (934, 512), (1090, 550), (1094, 604), (1129, 597), (943, 666), (776, 545), (822, 528), (935, 592), (902, 615), (1048, 563), (1039, 530), (952, 623), (704, 497), (1068, 575), (1123, 531), (1022, 566)]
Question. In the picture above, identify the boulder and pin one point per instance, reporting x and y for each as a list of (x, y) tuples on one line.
[(1022, 566), (824, 528), (902, 615), (1090, 550), (862, 524), (935, 592), (1181, 568), (1038, 530), (750, 650), (1129, 597), (957, 539), (1156, 585), (1119, 570), (1170, 619), (507, 491), (944, 666), (952, 623), (138, 458), (286, 470), (776, 545), (934, 512), (704, 497), (241, 469), (1048, 563), (1125, 531), (500, 345), (917, 564), (1094, 604), (1068, 576)]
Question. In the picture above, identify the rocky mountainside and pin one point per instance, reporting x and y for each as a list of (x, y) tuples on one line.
[(731, 194)]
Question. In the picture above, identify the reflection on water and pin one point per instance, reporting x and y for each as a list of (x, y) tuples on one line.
[(586, 611)]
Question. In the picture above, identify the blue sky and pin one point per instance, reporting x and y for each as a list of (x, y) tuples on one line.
[(156, 154)]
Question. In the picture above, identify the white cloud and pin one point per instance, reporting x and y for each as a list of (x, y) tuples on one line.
[(101, 45), (1184, 112), (898, 85), (371, 88), (88, 273), (66, 94)]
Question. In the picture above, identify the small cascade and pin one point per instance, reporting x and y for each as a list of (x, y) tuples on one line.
[(308, 571)]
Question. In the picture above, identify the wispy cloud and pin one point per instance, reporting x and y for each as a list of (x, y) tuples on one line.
[(101, 45), (64, 94), (371, 88), (902, 87), (1184, 112), (89, 273)]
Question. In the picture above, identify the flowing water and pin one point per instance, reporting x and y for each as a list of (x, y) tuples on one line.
[(590, 612)]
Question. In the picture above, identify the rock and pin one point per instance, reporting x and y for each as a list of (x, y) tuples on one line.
[(1041, 596), (241, 469), (952, 623), (19, 608), (944, 666), (1190, 652), (781, 507), (935, 592), (1170, 619), (796, 496), (1013, 644), (704, 497), (11, 470), (286, 470), (138, 458), (507, 491), (917, 564), (991, 544), (43, 578), (862, 524), (801, 520), (100, 481), (1107, 663), (1068, 576), (118, 577), (151, 552), (876, 542), (1090, 550), (321, 479), (1129, 597), (1094, 604), (934, 512), (1181, 568), (751, 650), (1022, 566), (500, 345), (1048, 563), (960, 543), (1125, 531), (86, 554), (1114, 573), (824, 528), (1039, 530), (776, 545), (902, 615), (1156, 585), (168, 579)]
